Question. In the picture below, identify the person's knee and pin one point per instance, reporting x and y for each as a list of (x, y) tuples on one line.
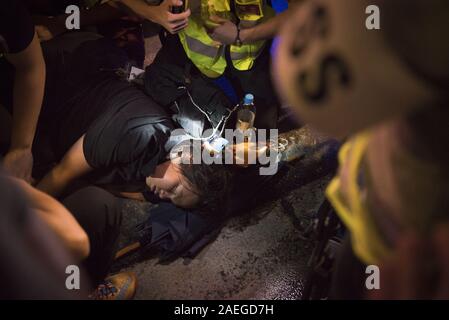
[(95, 209)]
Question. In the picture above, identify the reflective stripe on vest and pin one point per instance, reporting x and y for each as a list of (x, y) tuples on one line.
[(243, 57), (200, 48)]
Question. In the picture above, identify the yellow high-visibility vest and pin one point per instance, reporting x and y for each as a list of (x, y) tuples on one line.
[(208, 55)]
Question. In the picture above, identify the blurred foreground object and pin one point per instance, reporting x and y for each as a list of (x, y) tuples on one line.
[(32, 260), (387, 90), (418, 270), (342, 77)]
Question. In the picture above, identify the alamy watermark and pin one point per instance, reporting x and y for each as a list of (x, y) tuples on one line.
[(372, 281), (243, 148), (72, 282), (372, 22), (73, 21)]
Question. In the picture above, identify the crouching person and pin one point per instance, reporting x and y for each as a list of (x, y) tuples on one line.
[(50, 233)]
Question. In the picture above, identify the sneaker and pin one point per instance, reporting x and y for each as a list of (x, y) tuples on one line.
[(121, 286)]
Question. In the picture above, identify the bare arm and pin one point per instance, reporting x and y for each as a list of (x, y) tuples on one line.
[(266, 30), (29, 86), (71, 167), (271, 28), (226, 31), (160, 14), (59, 219)]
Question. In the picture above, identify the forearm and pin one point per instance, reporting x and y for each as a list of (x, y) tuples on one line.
[(265, 31), (56, 181), (71, 167), (160, 13), (29, 86)]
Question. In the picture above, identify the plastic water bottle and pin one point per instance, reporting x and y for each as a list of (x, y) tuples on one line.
[(246, 114)]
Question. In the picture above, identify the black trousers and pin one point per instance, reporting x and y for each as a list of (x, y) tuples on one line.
[(257, 80), (99, 214)]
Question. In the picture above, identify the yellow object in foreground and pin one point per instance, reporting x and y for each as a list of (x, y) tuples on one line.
[(367, 241)]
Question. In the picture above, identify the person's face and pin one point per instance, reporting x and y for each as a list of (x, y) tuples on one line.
[(169, 184)]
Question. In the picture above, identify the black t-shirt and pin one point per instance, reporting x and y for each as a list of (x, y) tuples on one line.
[(16, 27), (127, 140), (125, 130)]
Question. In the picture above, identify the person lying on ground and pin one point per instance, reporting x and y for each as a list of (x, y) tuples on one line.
[(107, 130)]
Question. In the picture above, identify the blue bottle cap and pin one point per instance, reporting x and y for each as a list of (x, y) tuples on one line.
[(249, 99)]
